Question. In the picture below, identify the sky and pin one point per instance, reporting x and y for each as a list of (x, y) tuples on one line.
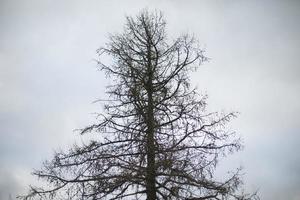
[(49, 79)]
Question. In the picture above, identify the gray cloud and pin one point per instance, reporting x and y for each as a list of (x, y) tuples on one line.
[(10, 183), (48, 79)]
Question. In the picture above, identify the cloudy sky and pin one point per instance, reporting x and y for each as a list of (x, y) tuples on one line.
[(48, 79)]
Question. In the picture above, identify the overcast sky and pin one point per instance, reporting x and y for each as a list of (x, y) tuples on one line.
[(48, 79)]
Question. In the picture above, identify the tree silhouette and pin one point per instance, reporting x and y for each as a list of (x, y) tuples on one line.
[(157, 139)]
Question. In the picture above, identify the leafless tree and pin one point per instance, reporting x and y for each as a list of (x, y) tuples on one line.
[(157, 139)]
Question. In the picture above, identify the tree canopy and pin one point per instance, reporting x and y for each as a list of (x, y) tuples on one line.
[(157, 140)]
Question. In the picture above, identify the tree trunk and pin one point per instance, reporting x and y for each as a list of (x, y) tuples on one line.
[(150, 176)]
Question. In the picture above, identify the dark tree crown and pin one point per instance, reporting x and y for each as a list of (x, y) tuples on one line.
[(157, 139)]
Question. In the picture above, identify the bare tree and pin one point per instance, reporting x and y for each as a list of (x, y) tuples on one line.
[(157, 139)]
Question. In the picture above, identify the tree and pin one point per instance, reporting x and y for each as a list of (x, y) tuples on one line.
[(157, 139)]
